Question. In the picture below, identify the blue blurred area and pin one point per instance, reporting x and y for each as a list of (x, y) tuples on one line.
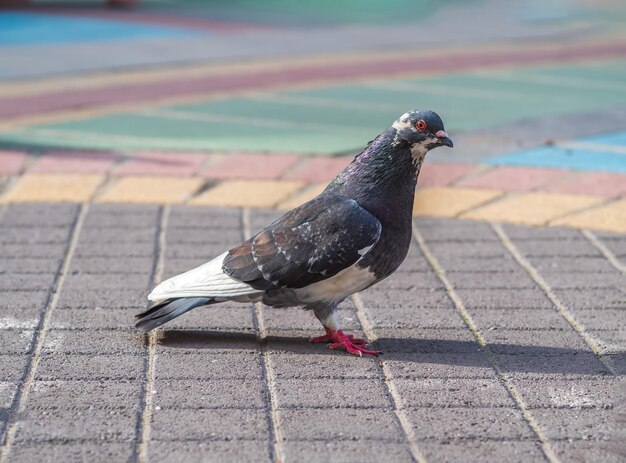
[(25, 28)]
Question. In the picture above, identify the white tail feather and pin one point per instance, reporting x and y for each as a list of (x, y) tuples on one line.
[(208, 280)]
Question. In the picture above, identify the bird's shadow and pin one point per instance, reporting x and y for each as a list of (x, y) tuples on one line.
[(511, 357)]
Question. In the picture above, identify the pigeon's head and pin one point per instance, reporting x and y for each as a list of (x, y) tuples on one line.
[(422, 129)]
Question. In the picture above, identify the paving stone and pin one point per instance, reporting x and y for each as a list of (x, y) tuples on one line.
[(558, 279), (114, 250), (452, 392), (129, 216), (616, 244), (111, 265), (233, 451), (324, 364), (177, 236), (495, 265), (568, 248), (444, 229), (478, 451), (608, 217), (216, 317), (603, 184), (73, 162), (525, 232), (20, 318), (93, 318), (93, 342), (355, 393), (396, 299), (54, 188), (216, 218), (16, 341), (412, 317), (490, 280), (505, 299), (167, 164), (23, 300), (207, 251), (232, 365), (30, 265), (395, 343), (576, 364), (604, 298), (140, 190), (515, 178), (330, 424), (63, 425), (477, 250), (8, 389), (12, 367), (602, 319), (40, 214), (177, 393), (107, 281), (104, 298), (519, 319), (207, 425), (21, 250), (545, 342), (346, 451), (576, 424), (89, 367), (62, 452), (438, 175), (245, 193), (118, 235), (583, 452), (97, 394), (440, 365), (449, 202), (446, 424), (207, 342), (580, 393), (257, 166), (572, 264), (532, 208), (33, 235), (318, 169), (11, 162)]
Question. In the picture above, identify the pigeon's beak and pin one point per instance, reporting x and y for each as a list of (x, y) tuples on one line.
[(444, 139)]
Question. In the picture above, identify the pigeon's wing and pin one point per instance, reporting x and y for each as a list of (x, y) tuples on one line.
[(308, 244)]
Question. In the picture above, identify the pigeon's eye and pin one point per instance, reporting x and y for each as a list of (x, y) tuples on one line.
[(421, 125)]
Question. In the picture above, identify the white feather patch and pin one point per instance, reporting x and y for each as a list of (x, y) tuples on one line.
[(336, 288), (208, 280), (403, 122)]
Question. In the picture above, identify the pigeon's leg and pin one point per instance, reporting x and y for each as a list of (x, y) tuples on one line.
[(327, 315)]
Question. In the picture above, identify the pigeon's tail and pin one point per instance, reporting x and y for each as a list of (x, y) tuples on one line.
[(163, 311)]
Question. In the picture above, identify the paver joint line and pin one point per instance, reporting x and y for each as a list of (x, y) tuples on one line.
[(460, 307), (145, 421), (560, 307), (604, 250), (393, 394), (21, 396), (275, 437)]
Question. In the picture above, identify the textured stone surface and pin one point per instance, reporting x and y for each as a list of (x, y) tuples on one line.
[(213, 379)]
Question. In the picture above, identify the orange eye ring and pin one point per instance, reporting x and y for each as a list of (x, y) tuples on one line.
[(420, 125)]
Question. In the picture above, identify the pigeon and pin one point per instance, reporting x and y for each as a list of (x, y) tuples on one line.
[(351, 236)]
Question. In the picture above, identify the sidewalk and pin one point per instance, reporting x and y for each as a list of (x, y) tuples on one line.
[(126, 161)]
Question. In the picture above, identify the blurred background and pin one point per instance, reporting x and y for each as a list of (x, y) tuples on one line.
[(281, 90)]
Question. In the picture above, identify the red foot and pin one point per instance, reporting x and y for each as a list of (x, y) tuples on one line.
[(339, 340)]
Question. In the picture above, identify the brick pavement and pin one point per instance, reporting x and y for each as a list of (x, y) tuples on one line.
[(501, 342)]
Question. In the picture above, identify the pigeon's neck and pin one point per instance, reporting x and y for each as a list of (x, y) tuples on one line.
[(383, 177)]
